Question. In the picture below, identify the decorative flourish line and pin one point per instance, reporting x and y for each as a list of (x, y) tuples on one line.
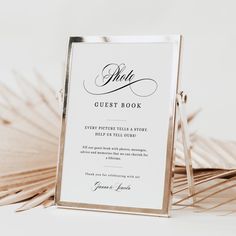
[(129, 84)]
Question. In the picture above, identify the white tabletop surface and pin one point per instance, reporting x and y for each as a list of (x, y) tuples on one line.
[(55, 221)]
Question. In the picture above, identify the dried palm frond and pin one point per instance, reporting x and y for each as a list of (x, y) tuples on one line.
[(29, 131), (208, 153), (215, 190)]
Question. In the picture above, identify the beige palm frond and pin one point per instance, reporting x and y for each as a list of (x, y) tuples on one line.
[(29, 131), (215, 190)]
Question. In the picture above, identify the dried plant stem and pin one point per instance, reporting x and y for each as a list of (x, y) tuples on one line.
[(49, 202), (221, 175), (37, 200), (196, 179), (206, 190), (26, 193), (26, 181), (178, 179), (28, 172), (218, 205), (22, 187)]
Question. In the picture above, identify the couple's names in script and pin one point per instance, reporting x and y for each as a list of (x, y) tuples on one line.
[(98, 185)]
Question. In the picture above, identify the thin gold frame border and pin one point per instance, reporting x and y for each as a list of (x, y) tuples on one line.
[(166, 205)]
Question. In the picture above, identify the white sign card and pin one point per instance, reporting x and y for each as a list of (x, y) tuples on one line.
[(118, 123)]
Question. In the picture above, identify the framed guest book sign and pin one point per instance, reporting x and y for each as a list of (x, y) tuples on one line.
[(118, 123)]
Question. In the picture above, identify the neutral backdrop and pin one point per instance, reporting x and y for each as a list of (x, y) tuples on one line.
[(34, 35)]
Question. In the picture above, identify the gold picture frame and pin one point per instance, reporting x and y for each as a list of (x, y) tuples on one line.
[(175, 41)]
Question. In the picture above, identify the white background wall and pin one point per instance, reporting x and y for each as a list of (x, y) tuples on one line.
[(34, 34)]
